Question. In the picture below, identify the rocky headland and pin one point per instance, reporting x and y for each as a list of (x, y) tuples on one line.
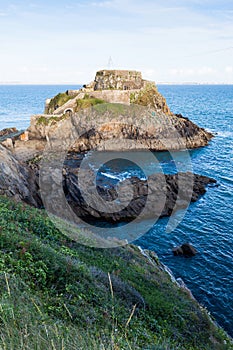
[(117, 111), (117, 107)]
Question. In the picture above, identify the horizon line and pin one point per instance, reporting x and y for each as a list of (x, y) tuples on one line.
[(81, 84)]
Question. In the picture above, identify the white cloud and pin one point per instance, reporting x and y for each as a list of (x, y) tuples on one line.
[(229, 69), (149, 73), (187, 73), (24, 69), (103, 3), (171, 41), (182, 71), (206, 71)]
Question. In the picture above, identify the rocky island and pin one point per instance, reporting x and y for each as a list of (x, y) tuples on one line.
[(116, 107)]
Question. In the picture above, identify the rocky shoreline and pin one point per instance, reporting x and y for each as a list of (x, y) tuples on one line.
[(158, 196)]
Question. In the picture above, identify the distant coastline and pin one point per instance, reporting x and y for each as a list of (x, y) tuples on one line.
[(81, 84), (193, 83), (37, 84)]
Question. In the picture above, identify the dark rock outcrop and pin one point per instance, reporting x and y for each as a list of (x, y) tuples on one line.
[(157, 196), (127, 200), (7, 131), (185, 249)]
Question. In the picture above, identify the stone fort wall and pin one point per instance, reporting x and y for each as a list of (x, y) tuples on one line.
[(117, 80)]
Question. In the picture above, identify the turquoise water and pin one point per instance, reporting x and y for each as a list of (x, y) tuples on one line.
[(207, 223)]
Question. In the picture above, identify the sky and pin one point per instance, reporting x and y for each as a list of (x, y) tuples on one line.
[(55, 42)]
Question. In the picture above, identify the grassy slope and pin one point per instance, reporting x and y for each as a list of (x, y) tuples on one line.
[(56, 294), (57, 101)]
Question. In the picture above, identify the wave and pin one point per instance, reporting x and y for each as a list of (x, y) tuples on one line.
[(227, 179), (114, 177), (225, 134)]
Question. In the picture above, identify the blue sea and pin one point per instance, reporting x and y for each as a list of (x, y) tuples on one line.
[(19, 102), (208, 223)]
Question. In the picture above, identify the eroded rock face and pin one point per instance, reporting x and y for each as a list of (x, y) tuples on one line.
[(157, 196), (115, 127), (16, 180), (134, 117)]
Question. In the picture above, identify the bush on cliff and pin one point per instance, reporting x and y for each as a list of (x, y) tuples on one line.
[(149, 96), (58, 101), (56, 294)]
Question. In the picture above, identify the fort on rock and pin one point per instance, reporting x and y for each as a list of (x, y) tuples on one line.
[(112, 86), (118, 111), (117, 80)]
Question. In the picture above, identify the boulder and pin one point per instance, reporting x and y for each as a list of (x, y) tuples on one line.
[(8, 143), (185, 249)]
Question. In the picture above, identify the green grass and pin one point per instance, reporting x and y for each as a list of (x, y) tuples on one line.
[(114, 109), (57, 294), (88, 102), (42, 120), (58, 101)]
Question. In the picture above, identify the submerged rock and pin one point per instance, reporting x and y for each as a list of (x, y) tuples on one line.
[(185, 249)]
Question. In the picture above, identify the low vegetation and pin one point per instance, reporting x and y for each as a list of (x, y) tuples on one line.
[(87, 102), (57, 294), (113, 109), (149, 96), (58, 101), (42, 120)]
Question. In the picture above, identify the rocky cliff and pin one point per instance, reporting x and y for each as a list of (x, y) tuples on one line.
[(120, 127), (159, 195), (17, 180), (155, 197)]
